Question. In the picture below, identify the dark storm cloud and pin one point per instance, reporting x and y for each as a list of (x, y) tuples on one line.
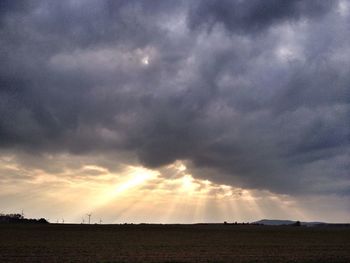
[(254, 15), (267, 111)]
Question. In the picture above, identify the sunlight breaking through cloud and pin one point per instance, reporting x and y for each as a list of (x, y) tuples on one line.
[(137, 194)]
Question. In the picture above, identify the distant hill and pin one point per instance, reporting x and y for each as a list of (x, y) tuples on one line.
[(276, 222)]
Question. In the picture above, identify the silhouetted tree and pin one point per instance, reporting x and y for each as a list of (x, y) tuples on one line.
[(297, 223), (18, 218)]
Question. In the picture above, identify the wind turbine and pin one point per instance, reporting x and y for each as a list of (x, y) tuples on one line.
[(100, 221), (89, 215)]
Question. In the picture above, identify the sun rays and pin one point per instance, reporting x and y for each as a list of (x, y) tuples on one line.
[(177, 197), (136, 194), (137, 176)]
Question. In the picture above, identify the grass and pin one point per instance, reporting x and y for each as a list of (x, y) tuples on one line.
[(173, 243)]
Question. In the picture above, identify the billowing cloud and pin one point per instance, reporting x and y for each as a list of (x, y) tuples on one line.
[(248, 93), (254, 16)]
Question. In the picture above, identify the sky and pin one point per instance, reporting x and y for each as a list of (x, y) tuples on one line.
[(175, 111)]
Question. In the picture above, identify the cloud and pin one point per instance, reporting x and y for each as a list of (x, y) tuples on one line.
[(260, 100), (254, 16)]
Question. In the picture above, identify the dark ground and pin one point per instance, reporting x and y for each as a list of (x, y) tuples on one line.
[(173, 243)]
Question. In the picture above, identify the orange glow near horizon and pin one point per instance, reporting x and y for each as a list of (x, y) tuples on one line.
[(137, 194)]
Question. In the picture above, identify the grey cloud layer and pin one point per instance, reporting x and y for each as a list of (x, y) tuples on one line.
[(261, 99), (254, 16)]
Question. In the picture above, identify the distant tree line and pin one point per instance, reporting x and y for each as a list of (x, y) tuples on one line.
[(18, 218)]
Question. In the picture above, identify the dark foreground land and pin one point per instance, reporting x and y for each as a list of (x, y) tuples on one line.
[(173, 243)]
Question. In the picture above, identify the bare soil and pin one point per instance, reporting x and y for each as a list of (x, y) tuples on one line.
[(173, 243)]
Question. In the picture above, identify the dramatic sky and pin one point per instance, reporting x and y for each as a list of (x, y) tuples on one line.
[(175, 111)]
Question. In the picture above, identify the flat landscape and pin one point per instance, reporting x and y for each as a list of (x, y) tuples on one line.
[(172, 243)]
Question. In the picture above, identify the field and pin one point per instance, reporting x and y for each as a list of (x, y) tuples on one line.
[(173, 243)]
